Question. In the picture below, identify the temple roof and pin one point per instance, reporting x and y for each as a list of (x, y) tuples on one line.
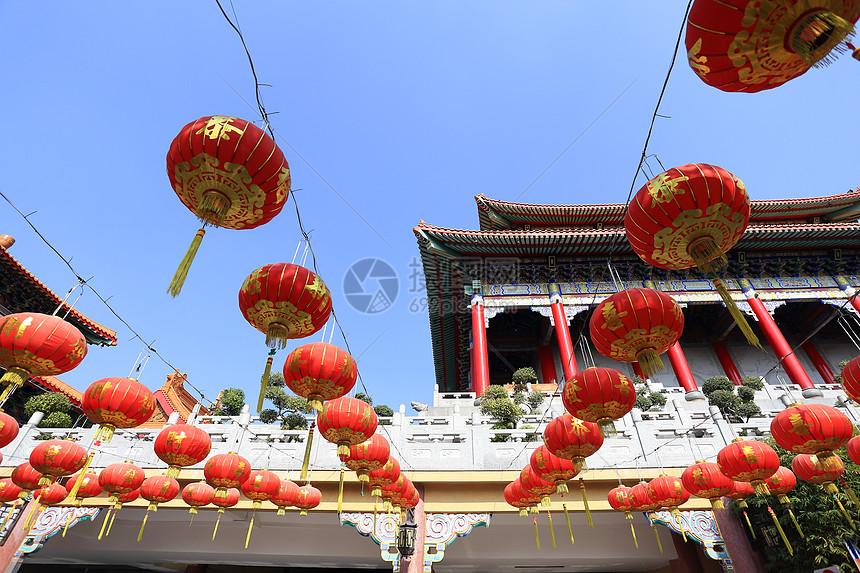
[(173, 397), (494, 214)]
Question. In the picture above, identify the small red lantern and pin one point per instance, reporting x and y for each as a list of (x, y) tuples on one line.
[(225, 471), (368, 456), (515, 496), (535, 485), (669, 492), (51, 495), (854, 449), (121, 478), (320, 372), (383, 477), (703, 479), (741, 490), (308, 498), (229, 173), (621, 499), (9, 491), (127, 497), (811, 429), (89, 487), (780, 483), (851, 379), (117, 403), (182, 445), (8, 429), (748, 460), (27, 478), (34, 344), (155, 490), (637, 325), (261, 485), (572, 439), (642, 500), (287, 494), (390, 492), (346, 422), (197, 494), (822, 471), (57, 458), (223, 498), (553, 468), (599, 395)]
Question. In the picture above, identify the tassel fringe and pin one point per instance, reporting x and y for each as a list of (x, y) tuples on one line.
[(142, 525), (761, 488), (307, 459), (537, 533), (182, 272), (340, 493), (14, 376), (567, 519), (551, 529), (104, 523), (752, 531), (277, 336), (585, 503), (561, 487), (845, 513), (707, 255), (794, 521), (250, 526), (110, 525), (818, 35), (633, 531), (217, 523), (264, 383), (650, 363), (657, 534), (81, 474), (739, 317), (213, 208), (781, 532), (717, 504)]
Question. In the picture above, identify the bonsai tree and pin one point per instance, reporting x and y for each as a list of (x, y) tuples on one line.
[(232, 400), (522, 378), (498, 405), (647, 399), (382, 410), (54, 405), (288, 407), (736, 407)]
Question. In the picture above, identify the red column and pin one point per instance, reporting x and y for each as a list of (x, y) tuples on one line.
[(776, 340), (547, 365), (726, 361), (480, 360), (849, 292), (637, 370), (681, 368), (818, 361), (562, 333)]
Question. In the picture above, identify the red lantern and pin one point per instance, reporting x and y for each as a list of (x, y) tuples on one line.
[(27, 478), (155, 490), (553, 468), (599, 395), (515, 496), (410, 500), (748, 460), (822, 471), (223, 498), (572, 439), (642, 500), (287, 494), (346, 422), (669, 492), (690, 216), (230, 174), (8, 429), (9, 491), (383, 477), (121, 478), (225, 471), (391, 492), (127, 497), (741, 490), (621, 499), (51, 495), (744, 46), (261, 485), (854, 449), (34, 344), (535, 485), (182, 445), (89, 487), (117, 403), (307, 498), (703, 479), (403, 492), (197, 495), (57, 458), (319, 372), (368, 456), (780, 483), (811, 429), (851, 379), (637, 325)]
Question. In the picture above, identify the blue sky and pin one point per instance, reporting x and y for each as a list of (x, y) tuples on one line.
[(406, 109)]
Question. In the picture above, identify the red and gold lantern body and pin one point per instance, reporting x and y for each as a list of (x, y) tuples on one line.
[(704, 479), (811, 429), (637, 325), (158, 489), (57, 458), (668, 491), (8, 429), (261, 485), (89, 487), (780, 483), (225, 471), (368, 456), (851, 379), (515, 496), (346, 422), (127, 497), (537, 486), (308, 497), (26, 477), (9, 491), (822, 471), (572, 439), (383, 477), (750, 461), (286, 496), (621, 499), (117, 403), (599, 395), (225, 497), (392, 493), (854, 449), (197, 495), (320, 372), (553, 468), (741, 490), (744, 46), (182, 445), (51, 495), (121, 478), (642, 499), (284, 301)]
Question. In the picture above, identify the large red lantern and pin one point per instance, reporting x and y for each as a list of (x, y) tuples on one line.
[(822, 471), (9, 491), (155, 490), (535, 485), (34, 344), (89, 487), (8, 429), (197, 494), (320, 372), (117, 403), (51, 495), (637, 325), (811, 429), (121, 478), (182, 445), (225, 471), (368, 456), (346, 422), (669, 492), (229, 173), (746, 46), (748, 460), (553, 468), (383, 477), (599, 395), (307, 498), (223, 498), (704, 479), (286, 496), (851, 379), (572, 439), (57, 458)]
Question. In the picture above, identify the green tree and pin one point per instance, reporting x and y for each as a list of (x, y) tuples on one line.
[(232, 402), (647, 399), (498, 405), (268, 416), (364, 398), (838, 376), (54, 405), (384, 411), (753, 382), (535, 399), (522, 377), (739, 407), (715, 383), (294, 421)]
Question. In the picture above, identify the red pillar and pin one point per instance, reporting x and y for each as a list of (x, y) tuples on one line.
[(480, 360), (727, 363), (562, 333), (776, 340), (818, 361), (681, 368), (637, 370), (849, 292), (547, 365)]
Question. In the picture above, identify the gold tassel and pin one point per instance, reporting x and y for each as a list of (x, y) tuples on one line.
[(537, 534), (217, 523), (264, 383), (818, 35), (607, 428), (182, 272), (110, 525), (794, 520), (633, 531), (9, 513), (650, 362), (307, 459), (14, 377), (551, 529), (561, 487), (32, 509), (250, 525), (717, 504), (104, 523), (77, 486), (142, 525), (739, 317), (752, 531), (657, 533), (213, 208), (676, 513), (585, 503), (567, 519), (27, 528), (707, 255), (374, 516), (340, 493), (277, 335), (781, 532), (68, 522), (761, 488), (845, 513)]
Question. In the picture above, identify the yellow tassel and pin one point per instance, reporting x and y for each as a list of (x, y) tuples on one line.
[(794, 520), (250, 525), (182, 272), (213, 207), (77, 486), (567, 519), (845, 513), (717, 504), (607, 428), (551, 529), (676, 513), (307, 459), (707, 255), (32, 509), (9, 513), (537, 534), (142, 525), (374, 516), (650, 363), (68, 522), (633, 531), (110, 525), (761, 488), (781, 532), (264, 383), (850, 493), (585, 503), (27, 528), (14, 377), (340, 492), (739, 317), (104, 523), (752, 531), (217, 523), (561, 488), (817, 35), (657, 533)]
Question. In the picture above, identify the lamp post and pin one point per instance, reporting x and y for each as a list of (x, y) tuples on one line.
[(406, 535)]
